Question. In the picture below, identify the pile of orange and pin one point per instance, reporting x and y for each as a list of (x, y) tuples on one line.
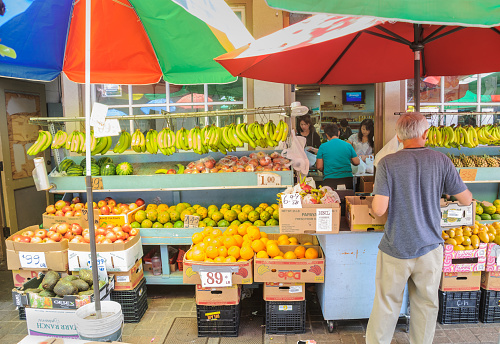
[(240, 243)]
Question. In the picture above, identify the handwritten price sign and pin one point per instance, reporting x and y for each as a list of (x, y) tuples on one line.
[(468, 174), (34, 260), (211, 279), (291, 200), (191, 221), (101, 268), (268, 179)]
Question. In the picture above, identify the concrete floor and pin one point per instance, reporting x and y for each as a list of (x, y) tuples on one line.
[(171, 318)]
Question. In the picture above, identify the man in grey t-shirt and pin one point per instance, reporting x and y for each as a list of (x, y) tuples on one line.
[(408, 185)]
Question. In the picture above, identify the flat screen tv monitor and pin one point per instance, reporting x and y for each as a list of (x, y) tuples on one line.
[(353, 97)]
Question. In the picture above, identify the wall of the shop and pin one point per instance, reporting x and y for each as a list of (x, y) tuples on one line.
[(393, 102), (311, 100), (333, 94)]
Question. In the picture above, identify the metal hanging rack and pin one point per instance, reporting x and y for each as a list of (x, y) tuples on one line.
[(451, 113), (284, 111)]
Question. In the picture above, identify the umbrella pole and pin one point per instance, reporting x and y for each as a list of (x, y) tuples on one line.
[(417, 47), (88, 174)]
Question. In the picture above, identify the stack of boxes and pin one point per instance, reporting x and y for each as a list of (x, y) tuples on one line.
[(489, 308)]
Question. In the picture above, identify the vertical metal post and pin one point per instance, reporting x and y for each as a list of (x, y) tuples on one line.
[(417, 48)]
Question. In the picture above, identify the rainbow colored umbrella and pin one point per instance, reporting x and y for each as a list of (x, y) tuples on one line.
[(132, 41)]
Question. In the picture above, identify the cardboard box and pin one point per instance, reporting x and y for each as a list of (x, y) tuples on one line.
[(119, 257), (366, 184), (55, 254), (492, 257), (460, 281), (290, 270), (33, 300), (302, 220), (148, 267), (360, 216), (50, 220), (455, 215), (58, 323), (301, 238), (284, 291), (464, 261), (120, 219), (242, 271), (130, 279), (490, 280), (22, 276), (218, 296)]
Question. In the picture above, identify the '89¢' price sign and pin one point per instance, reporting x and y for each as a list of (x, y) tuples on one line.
[(211, 279)]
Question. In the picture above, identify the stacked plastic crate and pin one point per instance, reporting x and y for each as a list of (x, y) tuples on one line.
[(489, 309)]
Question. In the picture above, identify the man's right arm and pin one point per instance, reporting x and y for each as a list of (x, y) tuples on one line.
[(464, 197)]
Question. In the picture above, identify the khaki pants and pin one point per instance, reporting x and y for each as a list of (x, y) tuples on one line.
[(423, 275)]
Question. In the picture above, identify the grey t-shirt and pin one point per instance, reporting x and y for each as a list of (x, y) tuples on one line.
[(414, 180)]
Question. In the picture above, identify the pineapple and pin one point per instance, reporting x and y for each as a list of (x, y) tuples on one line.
[(467, 161), (492, 162), (480, 161), (456, 161)]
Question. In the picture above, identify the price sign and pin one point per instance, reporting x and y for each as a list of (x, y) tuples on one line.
[(85, 215), (217, 279), (101, 268), (324, 220), (458, 214), (191, 221), (34, 260), (268, 179), (98, 115), (291, 200), (468, 174), (97, 183), (111, 127)]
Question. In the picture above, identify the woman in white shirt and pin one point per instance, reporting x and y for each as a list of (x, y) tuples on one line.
[(362, 142)]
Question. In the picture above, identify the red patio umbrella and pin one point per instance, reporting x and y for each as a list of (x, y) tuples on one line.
[(334, 49), (193, 98)]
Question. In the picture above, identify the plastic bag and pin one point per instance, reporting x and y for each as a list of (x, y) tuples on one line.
[(360, 169), (391, 147), (311, 157), (330, 196), (296, 154), (369, 164)]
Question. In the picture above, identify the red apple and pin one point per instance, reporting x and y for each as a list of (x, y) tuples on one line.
[(171, 171), (110, 226), (139, 202), (209, 163), (116, 229), (116, 211), (69, 214), (253, 155), (108, 198), (16, 238), (249, 168), (240, 170), (100, 231), (56, 237), (119, 241), (104, 210), (76, 229), (42, 234), (36, 240), (106, 241), (25, 239), (50, 209), (265, 161), (50, 233), (85, 231), (214, 170), (86, 237), (59, 213), (76, 200), (111, 203), (69, 235), (79, 238), (59, 205), (67, 208), (48, 240), (199, 166), (30, 234), (120, 235), (191, 165), (111, 236), (277, 167), (63, 228), (253, 162), (101, 204), (126, 228)]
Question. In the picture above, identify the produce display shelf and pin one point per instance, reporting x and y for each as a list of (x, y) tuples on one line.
[(484, 174), (180, 236), (174, 278)]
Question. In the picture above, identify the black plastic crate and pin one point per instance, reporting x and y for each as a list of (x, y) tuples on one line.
[(129, 297), (22, 313), (218, 321), (134, 314), (461, 307), (489, 308), (285, 317)]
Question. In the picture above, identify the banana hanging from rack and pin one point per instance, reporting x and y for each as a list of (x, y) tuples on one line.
[(59, 139), (152, 141), (123, 143), (138, 143), (42, 143)]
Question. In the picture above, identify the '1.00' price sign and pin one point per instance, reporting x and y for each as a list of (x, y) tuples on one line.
[(291, 200), (35, 260), (211, 279), (268, 178)]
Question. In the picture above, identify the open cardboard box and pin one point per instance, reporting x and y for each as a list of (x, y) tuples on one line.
[(218, 296), (360, 216), (290, 270), (366, 184), (302, 220), (454, 214), (464, 261), (301, 238), (119, 256), (128, 280), (460, 281), (55, 254), (490, 280), (120, 219), (22, 276)]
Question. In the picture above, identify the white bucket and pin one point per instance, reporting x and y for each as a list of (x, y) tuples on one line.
[(106, 329)]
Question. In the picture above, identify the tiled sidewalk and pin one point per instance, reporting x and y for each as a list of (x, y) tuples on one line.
[(168, 303)]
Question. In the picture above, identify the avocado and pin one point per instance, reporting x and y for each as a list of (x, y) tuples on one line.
[(50, 280), (69, 278), (65, 288), (86, 292), (33, 290), (86, 275), (46, 293), (80, 284)]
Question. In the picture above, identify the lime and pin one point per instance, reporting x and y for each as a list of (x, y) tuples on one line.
[(264, 216), (168, 225), (235, 223), (135, 224), (157, 225), (223, 223), (210, 222), (174, 215), (259, 223), (179, 224), (163, 217), (146, 224)]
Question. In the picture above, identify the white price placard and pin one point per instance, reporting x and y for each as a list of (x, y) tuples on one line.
[(268, 179), (293, 200), (111, 127), (98, 115), (34, 260), (101, 268), (191, 221), (324, 220), (455, 213), (210, 279)]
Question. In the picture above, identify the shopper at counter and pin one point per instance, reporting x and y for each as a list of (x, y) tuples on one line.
[(306, 129), (334, 159), (408, 185), (363, 140), (345, 130)]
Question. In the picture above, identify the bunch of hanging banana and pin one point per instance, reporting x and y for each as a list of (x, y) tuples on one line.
[(152, 141), (138, 143), (468, 136), (59, 139), (488, 134), (42, 143), (102, 146), (181, 139), (166, 141), (123, 142), (76, 142)]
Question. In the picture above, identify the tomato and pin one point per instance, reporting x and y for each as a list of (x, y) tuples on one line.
[(134, 231), (25, 239), (30, 234)]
